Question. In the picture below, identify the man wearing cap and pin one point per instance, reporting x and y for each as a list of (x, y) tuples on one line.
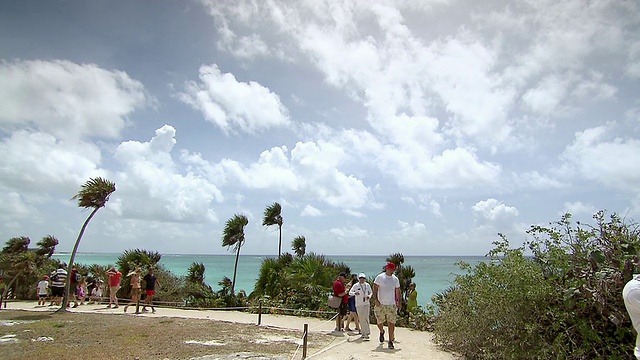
[(362, 293), (386, 294), (340, 291)]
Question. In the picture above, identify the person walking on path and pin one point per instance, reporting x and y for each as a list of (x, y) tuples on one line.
[(75, 281), (340, 291), (114, 286), (58, 280), (631, 296), (352, 311), (386, 292), (135, 287), (362, 292), (150, 282), (43, 287)]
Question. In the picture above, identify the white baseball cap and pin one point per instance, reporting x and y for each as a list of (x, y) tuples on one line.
[(362, 275)]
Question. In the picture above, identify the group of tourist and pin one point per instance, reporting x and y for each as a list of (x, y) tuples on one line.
[(52, 287), (357, 296)]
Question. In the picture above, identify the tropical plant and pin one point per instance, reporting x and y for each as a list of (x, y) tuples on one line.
[(299, 245), (563, 302), (128, 261), (195, 273), (93, 194), (273, 216), (47, 246), (233, 236)]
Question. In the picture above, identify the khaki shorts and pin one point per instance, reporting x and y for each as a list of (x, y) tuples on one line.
[(385, 312)]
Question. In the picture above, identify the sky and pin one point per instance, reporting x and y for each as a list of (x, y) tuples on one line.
[(424, 127)]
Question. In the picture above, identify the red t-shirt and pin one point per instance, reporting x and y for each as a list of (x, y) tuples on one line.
[(338, 288), (114, 280)]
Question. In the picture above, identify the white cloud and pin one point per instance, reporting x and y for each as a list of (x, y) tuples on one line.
[(67, 99), (310, 211), (612, 161), (233, 105), (349, 232), (31, 158), (150, 185), (494, 210), (578, 208)]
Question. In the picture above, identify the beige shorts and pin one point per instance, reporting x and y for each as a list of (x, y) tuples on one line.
[(385, 313)]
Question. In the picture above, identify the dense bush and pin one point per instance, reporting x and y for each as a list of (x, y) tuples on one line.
[(562, 301)]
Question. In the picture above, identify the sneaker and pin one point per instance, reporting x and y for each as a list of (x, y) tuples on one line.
[(153, 311), (381, 337), (75, 305), (391, 345), (145, 310), (115, 307), (125, 308)]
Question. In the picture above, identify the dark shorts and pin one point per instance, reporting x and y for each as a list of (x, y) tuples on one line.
[(342, 310), (57, 291), (42, 296)]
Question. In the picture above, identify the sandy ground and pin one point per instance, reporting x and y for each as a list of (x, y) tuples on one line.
[(409, 344)]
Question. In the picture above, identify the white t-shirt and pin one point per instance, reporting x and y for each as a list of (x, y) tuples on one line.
[(43, 285), (387, 286)]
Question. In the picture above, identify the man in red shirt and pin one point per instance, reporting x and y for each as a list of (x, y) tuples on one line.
[(114, 286), (340, 291)]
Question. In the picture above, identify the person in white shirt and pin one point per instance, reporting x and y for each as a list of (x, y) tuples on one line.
[(362, 292), (43, 287), (386, 293), (631, 295)]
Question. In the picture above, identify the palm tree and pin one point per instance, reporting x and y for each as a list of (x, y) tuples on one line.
[(195, 274), (93, 194), (299, 245), (233, 235), (273, 216)]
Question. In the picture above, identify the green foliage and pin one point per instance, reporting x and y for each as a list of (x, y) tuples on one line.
[(21, 268), (127, 262), (233, 236), (299, 245), (195, 273), (563, 302), (94, 193), (273, 216)]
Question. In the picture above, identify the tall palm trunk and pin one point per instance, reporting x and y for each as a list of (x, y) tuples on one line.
[(235, 270), (67, 286), (280, 241)]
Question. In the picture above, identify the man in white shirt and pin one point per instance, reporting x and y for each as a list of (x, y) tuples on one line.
[(386, 293), (362, 292), (631, 295)]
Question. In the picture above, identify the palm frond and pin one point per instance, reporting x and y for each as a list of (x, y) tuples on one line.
[(94, 193)]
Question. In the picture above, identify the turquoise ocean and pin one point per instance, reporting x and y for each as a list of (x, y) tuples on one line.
[(434, 274)]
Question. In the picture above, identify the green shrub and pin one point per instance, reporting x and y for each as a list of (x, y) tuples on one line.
[(564, 301)]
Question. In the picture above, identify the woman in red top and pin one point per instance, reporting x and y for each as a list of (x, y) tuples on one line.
[(114, 286)]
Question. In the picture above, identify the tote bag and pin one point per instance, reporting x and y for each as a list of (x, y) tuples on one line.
[(334, 301)]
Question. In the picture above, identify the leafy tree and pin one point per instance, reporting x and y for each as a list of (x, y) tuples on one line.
[(129, 259), (47, 246), (16, 245), (195, 274), (233, 236), (299, 245), (273, 216), (15, 266), (93, 194)]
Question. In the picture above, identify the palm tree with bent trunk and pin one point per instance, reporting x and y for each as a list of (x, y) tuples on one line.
[(233, 235), (273, 216), (93, 194)]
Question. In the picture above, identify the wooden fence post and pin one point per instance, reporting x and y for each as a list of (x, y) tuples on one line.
[(304, 341), (260, 313)]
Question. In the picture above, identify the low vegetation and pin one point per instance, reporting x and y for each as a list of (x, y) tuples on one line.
[(563, 301)]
